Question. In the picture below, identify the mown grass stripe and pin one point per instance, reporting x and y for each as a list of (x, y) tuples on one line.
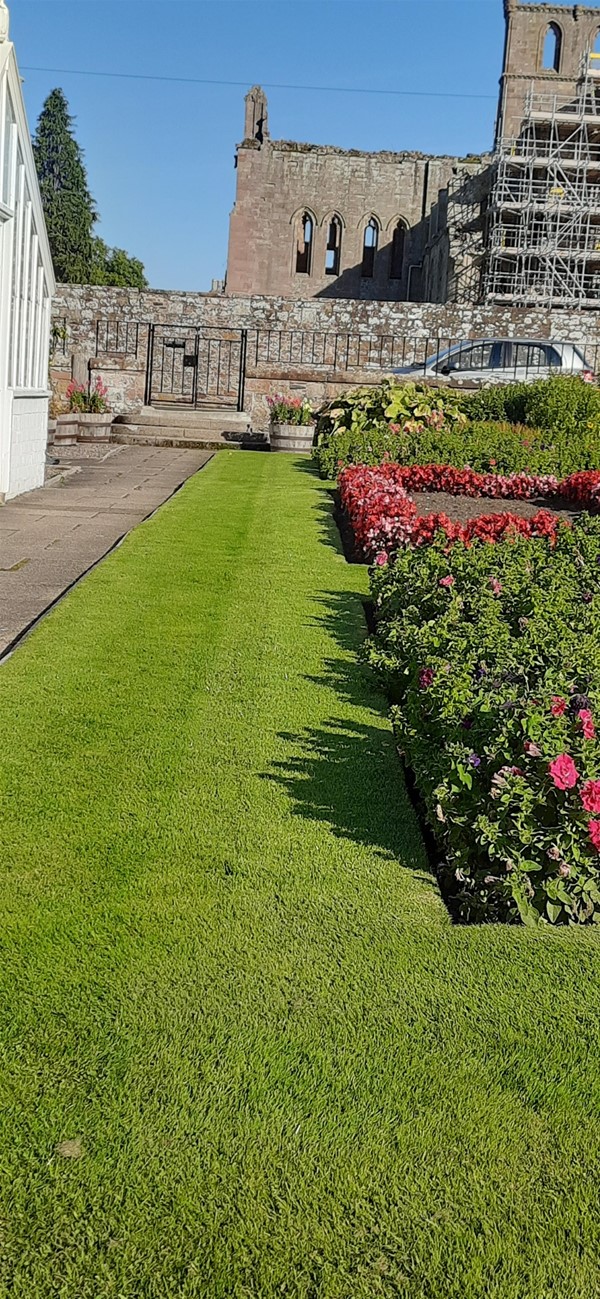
[(227, 970)]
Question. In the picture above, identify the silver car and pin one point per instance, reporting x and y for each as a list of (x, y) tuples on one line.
[(501, 360)]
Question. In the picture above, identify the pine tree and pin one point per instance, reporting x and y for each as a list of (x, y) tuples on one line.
[(80, 256), (68, 205)]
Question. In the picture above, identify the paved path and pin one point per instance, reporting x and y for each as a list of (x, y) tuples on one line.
[(49, 537)]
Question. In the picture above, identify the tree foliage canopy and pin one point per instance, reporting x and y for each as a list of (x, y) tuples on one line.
[(80, 256)]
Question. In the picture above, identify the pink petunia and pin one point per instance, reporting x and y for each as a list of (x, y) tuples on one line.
[(559, 706), (594, 833), (447, 581), (563, 771), (381, 558), (587, 724), (590, 796)]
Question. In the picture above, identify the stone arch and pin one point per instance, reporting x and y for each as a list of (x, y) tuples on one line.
[(551, 48), (398, 228), (304, 223), (369, 216), (334, 225), (371, 233)]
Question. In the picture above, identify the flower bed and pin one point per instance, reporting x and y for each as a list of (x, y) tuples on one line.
[(491, 655), (550, 427), (383, 516)]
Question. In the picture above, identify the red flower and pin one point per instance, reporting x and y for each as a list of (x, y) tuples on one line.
[(558, 706), (426, 676), (563, 771), (594, 833), (587, 724), (590, 796)]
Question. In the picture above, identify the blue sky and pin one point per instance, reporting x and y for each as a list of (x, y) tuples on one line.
[(160, 154)]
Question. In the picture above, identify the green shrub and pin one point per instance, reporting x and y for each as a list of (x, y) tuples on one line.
[(505, 402), (491, 655), (502, 448), (388, 405), (561, 404)]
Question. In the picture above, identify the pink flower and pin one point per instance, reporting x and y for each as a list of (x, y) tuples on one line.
[(590, 796), (532, 749), (426, 676), (558, 706), (594, 833), (447, 581), (563, 771), (381, 558), (495, 585), (587, 723), (564, 870)]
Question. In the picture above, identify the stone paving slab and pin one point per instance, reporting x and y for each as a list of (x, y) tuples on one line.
[(50, 537)]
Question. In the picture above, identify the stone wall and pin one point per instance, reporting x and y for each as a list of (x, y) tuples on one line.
[(316, 346), (279, 182)]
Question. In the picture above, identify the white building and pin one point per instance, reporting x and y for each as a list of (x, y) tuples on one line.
[(26, 288)]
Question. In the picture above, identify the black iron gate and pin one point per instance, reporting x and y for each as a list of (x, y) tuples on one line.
[(196, 367)]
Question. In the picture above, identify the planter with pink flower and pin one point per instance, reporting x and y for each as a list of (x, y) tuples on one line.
[(88, 418), (292, 425)]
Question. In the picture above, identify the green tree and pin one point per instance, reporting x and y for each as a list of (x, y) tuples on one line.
[(69, 208), (80, 256), (122, 270)]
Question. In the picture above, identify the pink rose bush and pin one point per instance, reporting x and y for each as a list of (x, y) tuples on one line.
[(495, 682)]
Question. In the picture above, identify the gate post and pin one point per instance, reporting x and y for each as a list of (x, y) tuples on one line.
[(242, 373), (149, 366)]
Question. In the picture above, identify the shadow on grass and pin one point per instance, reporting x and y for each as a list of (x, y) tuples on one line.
[(346, 772)]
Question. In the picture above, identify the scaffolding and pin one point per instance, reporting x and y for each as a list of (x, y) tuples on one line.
[(543, 233)]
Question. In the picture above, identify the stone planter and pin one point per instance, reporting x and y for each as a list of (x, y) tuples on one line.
[(95, 428), (67, 429), (292, 437)]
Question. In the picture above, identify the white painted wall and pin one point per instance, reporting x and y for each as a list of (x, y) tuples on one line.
[(26, 288)]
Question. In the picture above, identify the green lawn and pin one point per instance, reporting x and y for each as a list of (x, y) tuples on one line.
[(227, 972)]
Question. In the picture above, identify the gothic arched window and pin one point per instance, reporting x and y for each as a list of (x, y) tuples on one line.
[(304, 242), (397, 253), (370, 243), (334, 247), (552, 48)]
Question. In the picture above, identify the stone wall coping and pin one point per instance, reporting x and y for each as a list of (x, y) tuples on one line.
[(381, 155), (557, 10)]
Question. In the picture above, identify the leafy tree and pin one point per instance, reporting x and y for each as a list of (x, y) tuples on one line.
[(123, 270), (68, 205), (80, 256)]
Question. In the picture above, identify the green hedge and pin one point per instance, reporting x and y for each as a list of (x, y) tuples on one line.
[(504, 448), (562, 404), (491, 655)]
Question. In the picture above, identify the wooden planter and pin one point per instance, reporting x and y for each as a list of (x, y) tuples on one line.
[(95, 428), (66, 431), (298, 438)]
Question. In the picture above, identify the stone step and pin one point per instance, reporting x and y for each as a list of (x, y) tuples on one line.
[(186, 438), (172, 417)]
